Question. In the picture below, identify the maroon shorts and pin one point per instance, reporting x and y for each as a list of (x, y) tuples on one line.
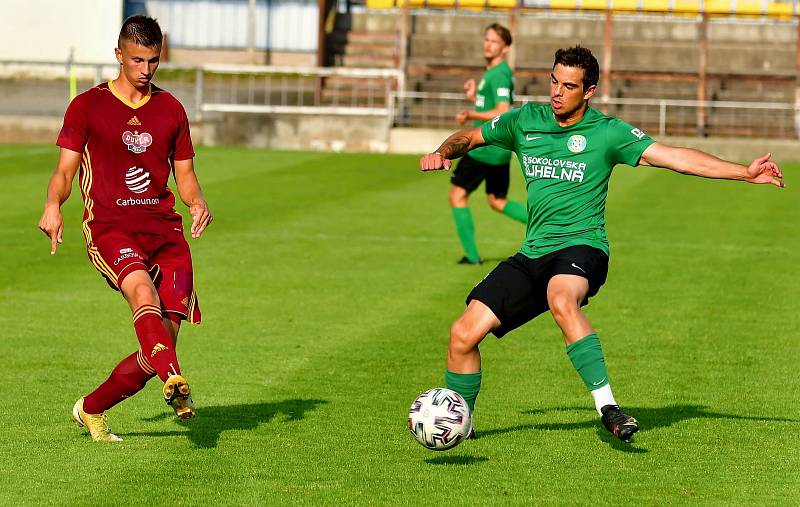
[(158, 247)]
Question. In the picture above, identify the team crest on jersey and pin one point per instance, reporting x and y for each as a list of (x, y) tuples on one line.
[(137, 180), (137, 142), (576, 143)]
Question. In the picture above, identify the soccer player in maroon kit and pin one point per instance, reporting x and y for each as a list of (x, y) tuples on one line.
[(126, 136)]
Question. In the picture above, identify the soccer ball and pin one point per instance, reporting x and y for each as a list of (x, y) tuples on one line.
[(439, 419)]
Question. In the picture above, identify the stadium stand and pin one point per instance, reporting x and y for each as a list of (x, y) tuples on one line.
[(654, 48)]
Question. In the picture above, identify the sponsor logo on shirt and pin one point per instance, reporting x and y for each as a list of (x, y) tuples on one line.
[(480, 100), (130, 201), (638, 134), (137, 142), (137, 180), (503, 92), (134, 121), (576, 143), (553, 168)]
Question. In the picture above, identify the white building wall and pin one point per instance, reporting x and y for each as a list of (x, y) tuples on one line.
[(45, 30), (282, 25)]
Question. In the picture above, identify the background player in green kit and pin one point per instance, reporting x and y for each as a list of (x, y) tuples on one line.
[(492, 96), (566, 151)]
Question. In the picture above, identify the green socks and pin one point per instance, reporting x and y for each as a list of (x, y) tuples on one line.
[(587, 358), (516, 210), (466, 384), (465, 228)]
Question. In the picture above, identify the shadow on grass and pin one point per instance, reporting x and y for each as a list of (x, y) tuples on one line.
[(649, 418), (204, 430), (456, 460)]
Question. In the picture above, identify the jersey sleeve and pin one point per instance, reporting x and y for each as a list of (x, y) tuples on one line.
[(184, 150), (626, 142), (503, 88), (74, 132), (500, 130)]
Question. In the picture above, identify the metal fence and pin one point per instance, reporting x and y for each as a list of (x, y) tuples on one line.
[(661, 116), (42, 89)]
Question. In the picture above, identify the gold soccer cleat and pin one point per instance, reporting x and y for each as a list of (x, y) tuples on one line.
[(177, 394), (97, 424)]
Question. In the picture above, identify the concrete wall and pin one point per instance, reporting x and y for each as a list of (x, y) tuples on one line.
[(44, 30), (296, 132)]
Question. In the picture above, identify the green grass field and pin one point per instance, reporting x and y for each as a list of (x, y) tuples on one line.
[(328, 284)]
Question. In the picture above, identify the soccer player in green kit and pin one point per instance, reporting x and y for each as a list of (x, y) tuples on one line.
[(492, 97), (567, 151)]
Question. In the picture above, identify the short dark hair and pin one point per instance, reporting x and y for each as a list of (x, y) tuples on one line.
[(581, 58), (141, 30), (502, 31)]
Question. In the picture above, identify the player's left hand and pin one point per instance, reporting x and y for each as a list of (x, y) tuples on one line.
[(764, 170), (462, 117), (201, 217)]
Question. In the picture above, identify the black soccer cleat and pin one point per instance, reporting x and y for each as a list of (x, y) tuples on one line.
[(621, 425), (465, 260)]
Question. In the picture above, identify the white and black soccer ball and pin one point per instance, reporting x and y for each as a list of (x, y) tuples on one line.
[(439, 419)]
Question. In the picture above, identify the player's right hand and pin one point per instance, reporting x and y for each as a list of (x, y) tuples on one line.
[(469, 89), (434, 162), (52, 224)]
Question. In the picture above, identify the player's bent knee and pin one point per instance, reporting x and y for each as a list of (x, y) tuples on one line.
[(496, 203), (458, 197), (562, 306), (463, 338), (143, 293)]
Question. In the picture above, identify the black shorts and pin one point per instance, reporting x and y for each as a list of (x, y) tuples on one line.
[(469, 173), (516, 290)]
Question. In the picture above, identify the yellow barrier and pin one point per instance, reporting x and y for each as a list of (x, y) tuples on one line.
[(774, 8), (781, 10), (625, 5), (563, 4), (502, 4), (656, 5), (718, 6), (594, 5), (686, 6)]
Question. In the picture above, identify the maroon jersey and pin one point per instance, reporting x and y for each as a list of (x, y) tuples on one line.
[(128, 150)]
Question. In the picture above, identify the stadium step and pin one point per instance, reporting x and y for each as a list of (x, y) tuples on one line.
[(370, 49), (372, 37), (383, 62)]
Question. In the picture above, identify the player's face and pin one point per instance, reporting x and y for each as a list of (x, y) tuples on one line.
[(139, 63), (567, 94), (493, 45)]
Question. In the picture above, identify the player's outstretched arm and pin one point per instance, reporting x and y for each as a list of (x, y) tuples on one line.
[(455, 146), (58, 190), (192, 196), (698, 163)]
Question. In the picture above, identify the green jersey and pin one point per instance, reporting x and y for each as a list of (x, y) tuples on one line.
[(497, 85), (566, 172)]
